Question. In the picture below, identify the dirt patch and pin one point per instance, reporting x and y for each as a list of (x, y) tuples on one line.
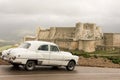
[(3, 62), (97, 62)]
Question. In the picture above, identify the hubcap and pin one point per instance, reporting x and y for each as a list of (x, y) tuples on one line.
[(71, 65), (30, 65)]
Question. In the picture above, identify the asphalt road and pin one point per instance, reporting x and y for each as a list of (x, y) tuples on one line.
[(7, 72)]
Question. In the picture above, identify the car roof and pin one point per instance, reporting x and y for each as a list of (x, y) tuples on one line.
[(41, 42)]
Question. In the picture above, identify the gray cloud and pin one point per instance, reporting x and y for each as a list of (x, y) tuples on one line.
[(21, 17)]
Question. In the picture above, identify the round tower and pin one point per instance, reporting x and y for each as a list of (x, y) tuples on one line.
[(78, 31), (38, 29), (52, 32)]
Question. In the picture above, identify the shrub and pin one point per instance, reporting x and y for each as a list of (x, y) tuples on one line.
[(115, 60), (86, 55), (95, 56)]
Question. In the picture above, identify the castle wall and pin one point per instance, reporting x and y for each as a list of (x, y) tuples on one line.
[(80, 46), (99, 42), (52, 33), (84, 36), (64, 32), (108, 39), (87, 45), (67, 44), (44, 34), (112, 39), (29, 38), (116, 39), (111, 42), (73, 45)]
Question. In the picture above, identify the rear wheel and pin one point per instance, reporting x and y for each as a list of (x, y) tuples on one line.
[(30, 65), (70, 66)]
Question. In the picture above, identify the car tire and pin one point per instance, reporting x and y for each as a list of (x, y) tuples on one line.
[(70, 66), (55, 67), (30, 65), (15, 65)]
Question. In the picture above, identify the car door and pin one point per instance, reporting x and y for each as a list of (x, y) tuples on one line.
[(43, 54), (56, 57)]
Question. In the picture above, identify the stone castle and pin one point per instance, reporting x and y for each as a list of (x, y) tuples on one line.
[(84, 36)]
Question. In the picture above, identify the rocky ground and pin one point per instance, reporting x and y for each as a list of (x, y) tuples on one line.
[(3, 62), (93, 62), (97, 62)]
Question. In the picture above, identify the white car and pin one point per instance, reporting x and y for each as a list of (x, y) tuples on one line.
[(32, 53)]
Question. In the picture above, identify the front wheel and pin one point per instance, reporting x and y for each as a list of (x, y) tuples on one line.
[(30, 65), (15, 65), (70, 66)]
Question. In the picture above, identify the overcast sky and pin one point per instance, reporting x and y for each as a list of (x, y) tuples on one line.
[(21, 17)]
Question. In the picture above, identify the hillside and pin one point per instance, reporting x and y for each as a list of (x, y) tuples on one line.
[(5, 47), (6, 43)]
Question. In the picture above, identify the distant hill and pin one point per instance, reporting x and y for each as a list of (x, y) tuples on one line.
[(6, 43), (5, 47)]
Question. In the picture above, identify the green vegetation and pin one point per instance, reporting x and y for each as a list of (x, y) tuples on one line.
[(114, 59), (97, 53), (81, 53), (114, 56), (5, 47), (86, 55)]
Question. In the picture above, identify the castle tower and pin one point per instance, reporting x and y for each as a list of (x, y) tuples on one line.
[(38, 29), (78, 31), (52, 32)]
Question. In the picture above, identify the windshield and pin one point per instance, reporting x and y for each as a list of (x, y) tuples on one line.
[(25, 45)]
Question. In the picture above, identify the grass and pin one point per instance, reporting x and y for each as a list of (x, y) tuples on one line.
[(114, 56), (114, 59), (5, 47), (97, 53)]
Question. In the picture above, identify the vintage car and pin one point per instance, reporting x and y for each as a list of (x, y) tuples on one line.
[(32, 53)]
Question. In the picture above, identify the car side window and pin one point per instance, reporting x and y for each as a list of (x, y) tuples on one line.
[(43, 48), (54, 48)]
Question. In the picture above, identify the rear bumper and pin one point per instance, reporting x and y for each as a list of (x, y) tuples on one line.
[(9, 60)]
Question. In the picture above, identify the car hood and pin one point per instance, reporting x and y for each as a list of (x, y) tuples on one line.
[(66, 53)]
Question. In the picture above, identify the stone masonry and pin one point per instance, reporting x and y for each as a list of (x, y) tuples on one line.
[(84, 36), (111, 41)]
